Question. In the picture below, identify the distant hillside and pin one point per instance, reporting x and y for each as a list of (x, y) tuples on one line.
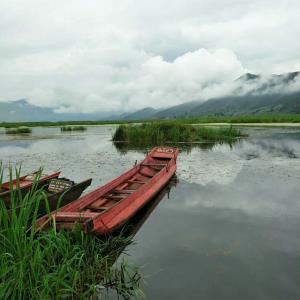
[(249, 104), (232, 105), (22, 111), (177, 111), (263, 96), (145, 113)]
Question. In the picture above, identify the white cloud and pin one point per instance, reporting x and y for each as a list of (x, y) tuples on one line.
[(87, 56)]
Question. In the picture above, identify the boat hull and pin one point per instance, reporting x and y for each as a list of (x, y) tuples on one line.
[(23, 188), (118, 216), (107, 208), (59, 199)]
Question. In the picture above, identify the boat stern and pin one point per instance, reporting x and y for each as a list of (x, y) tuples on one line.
[(164, 152)]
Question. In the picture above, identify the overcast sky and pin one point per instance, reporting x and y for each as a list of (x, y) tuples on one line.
[(93, 55)]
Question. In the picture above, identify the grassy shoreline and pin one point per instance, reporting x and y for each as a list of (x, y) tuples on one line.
[(284, 118)]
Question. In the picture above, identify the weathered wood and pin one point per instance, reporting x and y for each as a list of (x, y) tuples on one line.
[(124, 191)]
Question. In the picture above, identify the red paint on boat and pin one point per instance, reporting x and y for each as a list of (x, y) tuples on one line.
[(24, 183), (107, 208)]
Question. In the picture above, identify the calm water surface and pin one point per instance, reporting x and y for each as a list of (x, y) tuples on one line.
[(230, 227)]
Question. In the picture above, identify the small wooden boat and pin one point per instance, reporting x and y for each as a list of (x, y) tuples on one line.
[(59, 192), (24, 184), (105, 209)]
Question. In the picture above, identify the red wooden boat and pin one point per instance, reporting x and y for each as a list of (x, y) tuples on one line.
[(24, 184), (107, 208), (58, 192)]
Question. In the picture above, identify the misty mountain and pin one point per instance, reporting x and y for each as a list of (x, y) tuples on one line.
[(236, 105), (22, 111), (253, 94), (257, 95)]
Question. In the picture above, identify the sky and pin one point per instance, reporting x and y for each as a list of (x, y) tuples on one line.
[(96, 56)]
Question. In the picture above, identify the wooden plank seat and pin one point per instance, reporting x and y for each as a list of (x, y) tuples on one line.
[(136, 181), (115, 197), (73, 216), (98, 203), (153, 165), (124, 191)]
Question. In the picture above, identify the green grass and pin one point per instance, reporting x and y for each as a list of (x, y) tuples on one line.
[(259, 118), (18, 130), (73, 128), (58, 265), (159, 133), (284, 118)]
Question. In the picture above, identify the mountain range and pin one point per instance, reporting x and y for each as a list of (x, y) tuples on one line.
[(252, 94)]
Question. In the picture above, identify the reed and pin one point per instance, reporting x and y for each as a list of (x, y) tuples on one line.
[(18, 130), (73, 128), (58, 265), (158, 133)]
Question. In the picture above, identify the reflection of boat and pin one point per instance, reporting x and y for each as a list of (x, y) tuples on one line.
[(107, 208), (24, 184), (59, 192), (138, 220)]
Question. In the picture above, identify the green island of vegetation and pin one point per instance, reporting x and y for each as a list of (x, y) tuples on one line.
[(159, 133), (73, 128), (58, 264), (18, 130)]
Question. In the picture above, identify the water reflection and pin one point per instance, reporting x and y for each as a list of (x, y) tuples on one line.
[(229, 229), (124, 148), (130, 229), (137, 221)]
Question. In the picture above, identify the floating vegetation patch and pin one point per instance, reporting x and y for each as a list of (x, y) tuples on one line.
[(72, 128), (18, 130), (158, 133)]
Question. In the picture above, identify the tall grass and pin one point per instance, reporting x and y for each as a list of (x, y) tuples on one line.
[(158, 133), (57, 265), (18, 130)]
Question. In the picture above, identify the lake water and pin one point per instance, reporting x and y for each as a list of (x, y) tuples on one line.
[(229, 228)]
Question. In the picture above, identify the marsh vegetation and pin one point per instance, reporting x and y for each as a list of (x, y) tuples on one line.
[(158, 133), (18, 130)]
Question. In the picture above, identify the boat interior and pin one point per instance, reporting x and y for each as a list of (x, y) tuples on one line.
[(144, 172)]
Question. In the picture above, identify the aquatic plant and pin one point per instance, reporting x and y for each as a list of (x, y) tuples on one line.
[(73, 128), (158, 133), (58, 265), (18, 130)]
